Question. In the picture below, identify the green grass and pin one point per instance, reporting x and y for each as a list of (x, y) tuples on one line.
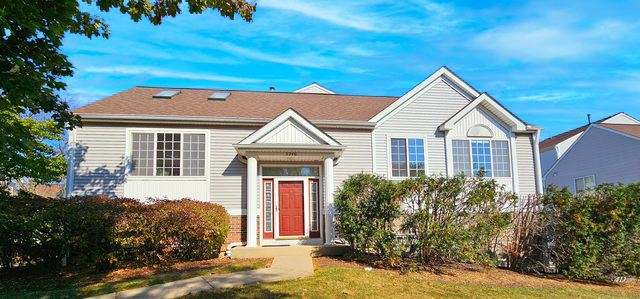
[(339, 282), (67, 288)]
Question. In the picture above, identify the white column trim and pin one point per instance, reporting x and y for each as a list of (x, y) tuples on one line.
[(448, 153), (328, 201), (536, 158), (252, 202)]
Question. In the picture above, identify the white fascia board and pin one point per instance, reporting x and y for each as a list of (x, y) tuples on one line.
[(423, 87), (517, 125), (280, 120), (172, 119)]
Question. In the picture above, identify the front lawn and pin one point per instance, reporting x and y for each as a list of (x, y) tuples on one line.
[(348, 280), (76, 283)]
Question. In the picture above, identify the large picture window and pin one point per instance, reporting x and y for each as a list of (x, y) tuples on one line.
[(470, 156), (168, 154), (407, 157)]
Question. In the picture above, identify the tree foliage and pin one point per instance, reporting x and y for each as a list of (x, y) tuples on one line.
[(32, 67)]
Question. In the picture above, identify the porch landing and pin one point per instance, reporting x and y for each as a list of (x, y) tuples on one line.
[(292, 250)]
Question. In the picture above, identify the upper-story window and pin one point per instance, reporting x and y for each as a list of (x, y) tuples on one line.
[(490, 156), (168, 154), (407, 157), (585, 183)]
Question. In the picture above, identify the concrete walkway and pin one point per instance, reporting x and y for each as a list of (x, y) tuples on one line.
[(282, 268)]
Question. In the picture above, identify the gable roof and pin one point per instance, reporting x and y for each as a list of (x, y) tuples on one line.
[(485, 100), (633, 130), (314, 88), (444, 73), (554, 140), (281, 121), (240, 104)]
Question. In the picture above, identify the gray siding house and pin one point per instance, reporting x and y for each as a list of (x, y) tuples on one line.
[(274, 159), (605, 152)]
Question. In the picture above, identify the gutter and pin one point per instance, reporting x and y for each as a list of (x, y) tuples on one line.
[(175, 119)]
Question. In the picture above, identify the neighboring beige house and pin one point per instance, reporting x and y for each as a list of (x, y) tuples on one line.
[(274, 159), (606, 151)]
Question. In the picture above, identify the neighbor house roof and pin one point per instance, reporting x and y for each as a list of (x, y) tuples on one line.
[(633, 130), (240, 104), (553, 141)]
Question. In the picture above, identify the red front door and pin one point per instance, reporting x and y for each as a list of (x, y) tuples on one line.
[(291, 208)]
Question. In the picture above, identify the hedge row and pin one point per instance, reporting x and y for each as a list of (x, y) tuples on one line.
[(101, 232), (429, 221)]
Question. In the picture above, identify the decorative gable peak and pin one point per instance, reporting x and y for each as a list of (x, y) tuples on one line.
[(290, 128), (314, 88)]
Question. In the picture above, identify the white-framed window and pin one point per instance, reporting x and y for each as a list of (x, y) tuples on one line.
[(313, 191), (407, 157), (268, 206), (585, 183), (492, 156), (168, 154)]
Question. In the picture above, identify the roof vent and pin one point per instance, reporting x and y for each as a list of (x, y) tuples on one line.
[(166, 94), (219, 96), (272, 88)]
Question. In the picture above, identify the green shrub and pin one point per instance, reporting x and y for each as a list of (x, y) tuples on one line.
[(367, 206), (449, 219), (595, 234), (100, 231)]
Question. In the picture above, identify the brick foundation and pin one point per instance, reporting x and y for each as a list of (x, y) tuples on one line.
[(238, 230)]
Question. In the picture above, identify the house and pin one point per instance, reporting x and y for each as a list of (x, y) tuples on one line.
[(274, 159), (606, 151)]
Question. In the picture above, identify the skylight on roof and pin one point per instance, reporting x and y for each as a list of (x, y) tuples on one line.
[(166, 94), (219, 96)]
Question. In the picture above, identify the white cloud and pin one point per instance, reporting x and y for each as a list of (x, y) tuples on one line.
[(551, 37), (138, 70), (551, 97)]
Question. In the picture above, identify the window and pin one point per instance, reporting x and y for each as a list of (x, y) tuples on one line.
[(416, 157), (461, 159), (500, 156), (492, 156), (585, 183), (268, 206), (481, 154), (407, 157), (142, 154), (193, 154), (168, 154), (291, 171), (313, 191)]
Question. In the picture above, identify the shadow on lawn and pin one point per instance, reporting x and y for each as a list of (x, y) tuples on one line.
[(249, 291)]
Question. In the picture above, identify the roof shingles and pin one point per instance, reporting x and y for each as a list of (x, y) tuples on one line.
[(240, 104)]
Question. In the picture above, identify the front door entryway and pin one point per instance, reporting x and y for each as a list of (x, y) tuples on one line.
[(291, 208)]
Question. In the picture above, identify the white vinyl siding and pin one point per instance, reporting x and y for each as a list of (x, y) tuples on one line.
[(100, 166), (356, 158), (526, 166), (611, 157), (420, 118)]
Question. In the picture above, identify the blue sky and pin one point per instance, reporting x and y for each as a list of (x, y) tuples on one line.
[(550, 62)]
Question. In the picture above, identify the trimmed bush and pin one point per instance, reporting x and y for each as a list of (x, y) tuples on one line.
[(595, 234), (100, 231), (442, 219)]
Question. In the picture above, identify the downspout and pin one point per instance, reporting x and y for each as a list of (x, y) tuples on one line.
[(71, 162), (536, 157), (231, 245)]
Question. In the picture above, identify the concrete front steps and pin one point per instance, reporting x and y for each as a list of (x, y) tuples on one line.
[(289, 250)]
